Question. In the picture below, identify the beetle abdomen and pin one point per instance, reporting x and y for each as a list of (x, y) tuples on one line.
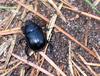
[(34, 35)]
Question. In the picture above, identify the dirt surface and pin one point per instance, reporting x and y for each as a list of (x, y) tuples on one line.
[(84, 29)]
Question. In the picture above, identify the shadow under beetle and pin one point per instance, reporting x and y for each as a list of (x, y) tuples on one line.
[(34, 36)]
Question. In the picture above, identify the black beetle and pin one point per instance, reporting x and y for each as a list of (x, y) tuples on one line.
[(35, 38)]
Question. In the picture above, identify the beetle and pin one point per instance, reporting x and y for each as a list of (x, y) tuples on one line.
[(34, 35)]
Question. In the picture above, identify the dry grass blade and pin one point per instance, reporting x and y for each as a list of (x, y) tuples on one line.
[(96, 2), (70, 60), (22, 18), (11, 63), (86, 38), (22, 72), (4, 20), (33, 65), (33, 73), (10, 51), (10, 20), (30, 9), (10, 31), (62, 68), (52, 63), (84, 61), (58, 11), (68, 4), (2, 71), (76, 72), (4, 74), (52, 24), (79, 69), (14, 30), (13, 15), (98, 56), (4, 46), (83, 13), (74, 10), (36, 5), (92, 64), (46, 4)]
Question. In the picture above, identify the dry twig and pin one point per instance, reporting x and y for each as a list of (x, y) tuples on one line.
[(79, 69), (33, 65), (52, 63), (70, 60), (10, 51), (9, 70), (84, 61)]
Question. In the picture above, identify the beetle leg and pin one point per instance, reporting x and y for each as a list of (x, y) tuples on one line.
[(50, 47), (26, 49), (20, 41)]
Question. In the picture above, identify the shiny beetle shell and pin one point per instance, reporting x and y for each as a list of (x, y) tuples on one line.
[(34, 35)]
